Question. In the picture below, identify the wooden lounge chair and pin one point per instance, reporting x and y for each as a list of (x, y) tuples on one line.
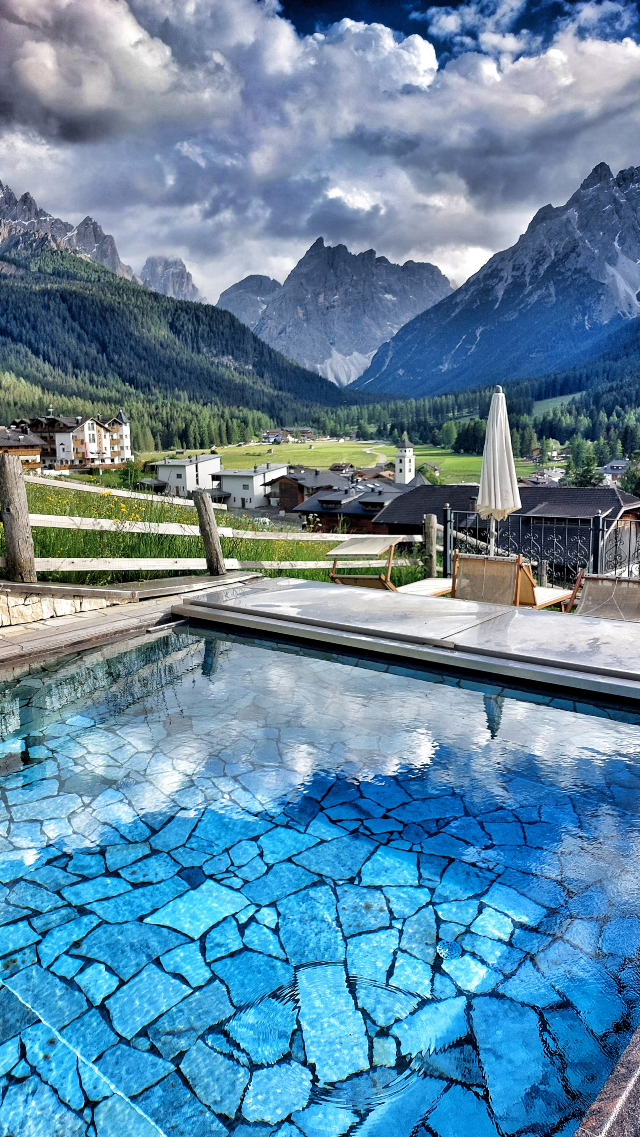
[(371, 546), (608, 597), (501, 580), (432, 586)]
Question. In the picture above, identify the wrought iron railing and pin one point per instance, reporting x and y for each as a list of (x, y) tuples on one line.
[(556, 548)]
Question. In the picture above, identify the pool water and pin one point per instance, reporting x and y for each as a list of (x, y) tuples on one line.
[(254, 890)]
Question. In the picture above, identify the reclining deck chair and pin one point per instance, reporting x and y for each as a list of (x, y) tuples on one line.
[(609, 597), (501, 580), (373, 546)]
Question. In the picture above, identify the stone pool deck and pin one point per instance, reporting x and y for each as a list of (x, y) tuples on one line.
[(599, 657)]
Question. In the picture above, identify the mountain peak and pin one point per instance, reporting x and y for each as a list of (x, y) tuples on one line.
[(571, 278), (600, 173), (171, 277)]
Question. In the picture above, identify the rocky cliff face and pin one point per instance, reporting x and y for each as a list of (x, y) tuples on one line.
[(545, 303), (249, 297), (170, 277), (335, 308), (23, 225)]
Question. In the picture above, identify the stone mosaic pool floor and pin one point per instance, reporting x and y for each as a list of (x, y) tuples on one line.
[(253, 891)]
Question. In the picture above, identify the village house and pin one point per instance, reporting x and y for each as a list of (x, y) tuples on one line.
[(248, 489), (79, 443), (26, 445), (181, 476)]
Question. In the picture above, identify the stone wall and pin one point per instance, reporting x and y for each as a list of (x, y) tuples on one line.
[(24, 607)]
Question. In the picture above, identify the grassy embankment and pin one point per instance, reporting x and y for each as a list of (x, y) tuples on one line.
[(81, 543)]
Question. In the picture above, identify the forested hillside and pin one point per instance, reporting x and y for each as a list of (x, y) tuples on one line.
[(187, 373)]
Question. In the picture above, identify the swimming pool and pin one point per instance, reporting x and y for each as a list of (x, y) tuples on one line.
[(254, 890)]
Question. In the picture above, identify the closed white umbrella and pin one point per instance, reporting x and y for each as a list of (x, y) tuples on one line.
[(499, 495)]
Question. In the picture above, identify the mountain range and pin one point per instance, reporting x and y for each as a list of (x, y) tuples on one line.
[(335, 308), (24, 227), (555, 298)]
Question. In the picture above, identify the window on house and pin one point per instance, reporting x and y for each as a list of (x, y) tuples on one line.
[(179, 476), (245, 487)]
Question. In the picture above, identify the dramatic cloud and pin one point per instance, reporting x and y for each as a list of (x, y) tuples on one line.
[(210, 129)]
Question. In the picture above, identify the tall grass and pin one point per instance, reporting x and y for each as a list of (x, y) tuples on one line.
[(118, 543)]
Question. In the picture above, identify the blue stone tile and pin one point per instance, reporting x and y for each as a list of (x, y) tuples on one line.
[(139, 901), (593, 902), (621, 936), (493, 924), (188, 962), (97, 982), (393, 867), (385, 1005), (132, 1071), (9, 1055), (444, 845), (334, 1034), (545, 892), (179, 1028), (528, 986), (28, 895), (175, 832), (470, 974), (143, 999), (412, 974), (62, 938), (585, 1060), (97, 889), (280, 843), (361, 909), (529, 941), (127, 948), (280, 881), (199, 909), (504, 834), (459, 1113), (32, 1108), (177, 1111), (321, 1120), (224, 829), (9, 914), (89, 1035), (467, 829), (151, 870), (458, 911), (249, 975), (96, 1087), (451, 931), (401, 1114), (430, 808), (121, 855), (219, 1082), (262, 939), (324, 829), (115, 1116), (585, 983), (405, 901), (419, 934), (370, 956), (55, 1062), (264, 1030), (387, 793), (223, 940), (443, 987), (584, 934), (275, 1093), (86, 864), (498, 954), (434, 1027), (516, 1064), (515, 905), (53, 919), (49, 997), (309, 928), (339, 859), (16, 936), (52, 877)]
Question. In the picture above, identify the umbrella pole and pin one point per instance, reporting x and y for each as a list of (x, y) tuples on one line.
[(492, 537)]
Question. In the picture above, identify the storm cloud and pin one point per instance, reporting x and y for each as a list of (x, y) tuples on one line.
[(212, 130)]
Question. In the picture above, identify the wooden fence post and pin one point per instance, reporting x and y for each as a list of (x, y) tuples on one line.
[(429, 527), (209, 532), (14, 514)]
